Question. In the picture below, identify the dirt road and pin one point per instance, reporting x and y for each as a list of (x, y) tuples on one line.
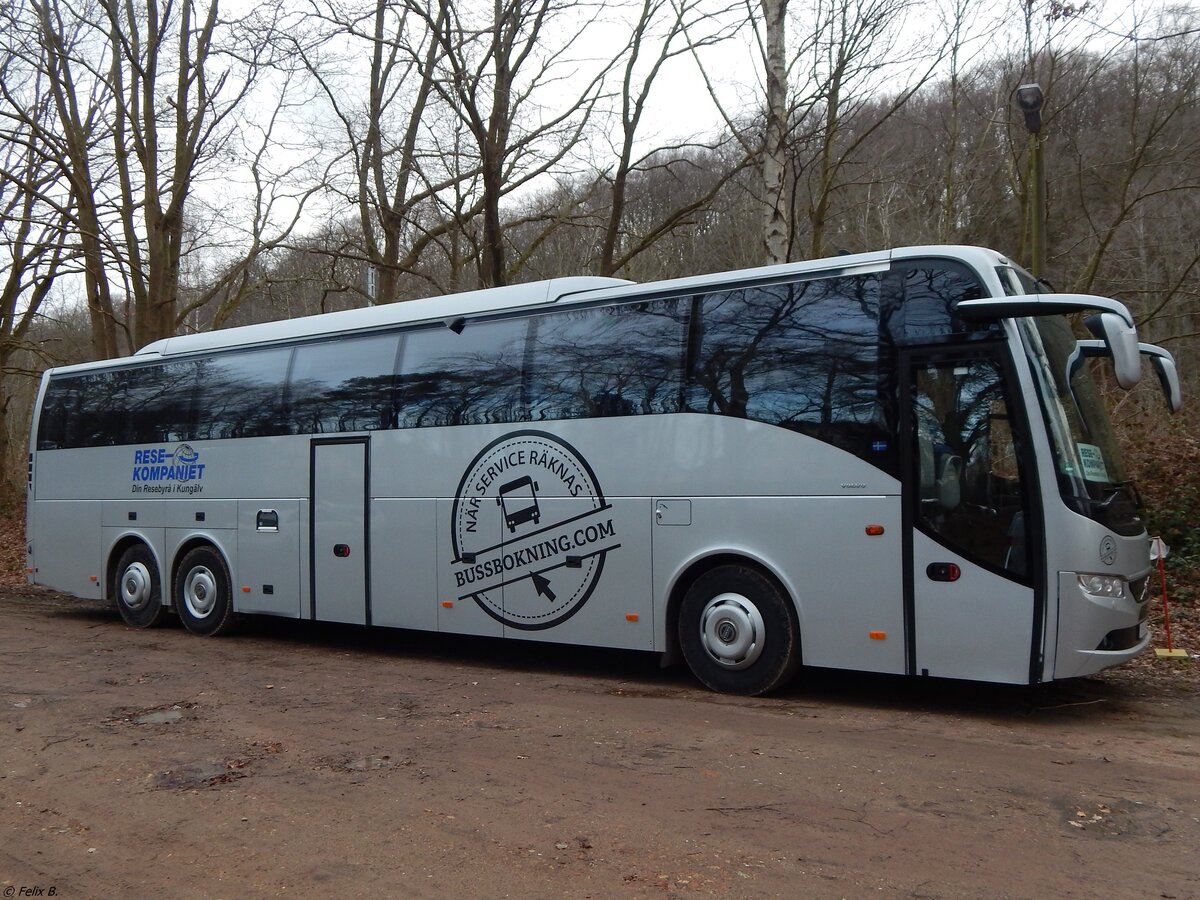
[(318, 762)]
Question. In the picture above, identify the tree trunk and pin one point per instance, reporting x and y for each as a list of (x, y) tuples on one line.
[(775, 133)]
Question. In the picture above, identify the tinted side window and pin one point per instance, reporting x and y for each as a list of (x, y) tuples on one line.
[(241, 395), (922, 296), (462, 379), (84, 411), (343, 385), (59, 407), (607, 361), (160, 403), (805, 356), (149, 404), (101, 417)]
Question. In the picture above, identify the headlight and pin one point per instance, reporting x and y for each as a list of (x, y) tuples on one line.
[(1104, 586)]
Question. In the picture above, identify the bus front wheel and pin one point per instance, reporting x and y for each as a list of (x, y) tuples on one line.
[(139, 589), (738, 631), (203, 598)]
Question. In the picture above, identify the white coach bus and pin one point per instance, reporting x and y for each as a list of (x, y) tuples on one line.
[(890, 462)]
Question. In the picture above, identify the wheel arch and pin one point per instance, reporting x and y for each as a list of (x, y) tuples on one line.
[(699, 566)]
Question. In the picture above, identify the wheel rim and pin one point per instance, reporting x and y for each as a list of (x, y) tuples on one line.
[(136, 586), (732, 631), (200, 591)]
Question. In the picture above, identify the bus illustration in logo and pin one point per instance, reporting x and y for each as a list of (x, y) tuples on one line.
[(518, 500)]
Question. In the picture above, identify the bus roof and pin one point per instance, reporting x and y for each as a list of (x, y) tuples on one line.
[(582, 289)]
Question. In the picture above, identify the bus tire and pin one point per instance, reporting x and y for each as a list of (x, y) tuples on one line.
[(138, 589), (203, 596), (739, 632)]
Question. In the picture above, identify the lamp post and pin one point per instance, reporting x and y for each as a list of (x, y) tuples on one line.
[(1030, 99)]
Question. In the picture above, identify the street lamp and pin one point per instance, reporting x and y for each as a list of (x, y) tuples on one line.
[(1030, 99)]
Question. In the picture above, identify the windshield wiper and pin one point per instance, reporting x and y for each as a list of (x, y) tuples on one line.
[(1118, 489)]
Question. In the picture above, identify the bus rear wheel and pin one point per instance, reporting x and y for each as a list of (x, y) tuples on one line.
[(203, 597), (738, 631), (139, 589)]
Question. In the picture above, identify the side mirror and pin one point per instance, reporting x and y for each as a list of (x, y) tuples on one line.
[(1113, 324), (1168, 375), (1162, 361), (1121, 340)]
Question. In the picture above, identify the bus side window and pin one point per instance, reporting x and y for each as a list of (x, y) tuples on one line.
[(160, 401), (62, 394), (339, 386), (83, 411), (803, 356), (922, 297), (606, 361), (467, 378), (101, 419), (241, 395)]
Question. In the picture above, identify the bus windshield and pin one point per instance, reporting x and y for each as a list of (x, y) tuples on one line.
[(1091, 474)]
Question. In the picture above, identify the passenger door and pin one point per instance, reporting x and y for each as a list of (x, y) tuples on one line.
[(971, 599), (339, 546)]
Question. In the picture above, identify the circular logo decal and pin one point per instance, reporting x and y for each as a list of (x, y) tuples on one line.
[(531, 530), (1108, 550), (186, 458)]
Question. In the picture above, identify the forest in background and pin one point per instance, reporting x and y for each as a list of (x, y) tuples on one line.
[(171, 166)]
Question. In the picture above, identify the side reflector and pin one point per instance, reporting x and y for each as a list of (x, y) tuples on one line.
[(631, 617), (878, 635), (874, 530), (449, 604), (245, 589), (93, 578)]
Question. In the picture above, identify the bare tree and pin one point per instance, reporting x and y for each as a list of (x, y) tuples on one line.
[(33, 238), (81, 104), (1144, 109), (764, 139), (858, 51), (146, 99), (499, 72), (387, 140), (660, 33)]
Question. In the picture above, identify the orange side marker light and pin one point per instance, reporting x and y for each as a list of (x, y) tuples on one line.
[(878, 635), (874, 530), (245, 588), (631, 617), (449, 604)]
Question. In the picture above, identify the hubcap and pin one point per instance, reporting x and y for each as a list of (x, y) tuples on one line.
[(136, 586), (732, 631), (199, 591)]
